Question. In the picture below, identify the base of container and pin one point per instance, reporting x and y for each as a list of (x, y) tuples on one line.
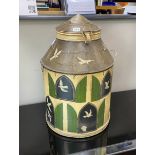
[(78, 135)]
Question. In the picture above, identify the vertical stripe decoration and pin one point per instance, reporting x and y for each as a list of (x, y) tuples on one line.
[(51, 86), (78, 105), (80, 94), (101, 114), (72, 119), (96, 89), (59, 116)]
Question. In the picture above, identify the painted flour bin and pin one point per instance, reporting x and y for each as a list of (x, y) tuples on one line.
[(77, 71)]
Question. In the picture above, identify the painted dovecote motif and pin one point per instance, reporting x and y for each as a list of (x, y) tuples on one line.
[(50, 110), (106, 85), (77, 101), (87, 118), (77, 74), (64, 88)]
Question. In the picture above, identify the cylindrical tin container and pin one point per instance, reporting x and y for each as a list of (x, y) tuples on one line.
[(77, 71)]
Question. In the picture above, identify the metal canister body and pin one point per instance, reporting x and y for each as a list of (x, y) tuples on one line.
[(77, 71)]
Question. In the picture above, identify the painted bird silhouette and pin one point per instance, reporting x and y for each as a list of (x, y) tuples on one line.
[(107, 85), (56, 54), (62, 87), (49, 106), (82, 61), (49, 116), (84, 128), (88, 114)]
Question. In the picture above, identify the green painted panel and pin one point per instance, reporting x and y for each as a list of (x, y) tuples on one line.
[(101, 114), (96, 89), (51, 86), (59, 116), (80, 94), (72, 119)]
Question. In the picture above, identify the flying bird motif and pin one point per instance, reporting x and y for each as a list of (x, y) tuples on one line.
[(56, 54), (88, 114), (83, 128), (49, 106), (62, 87), (107, 85), (82, 61), (49, 116)]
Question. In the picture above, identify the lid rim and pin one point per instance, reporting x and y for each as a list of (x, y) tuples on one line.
[(87, 36), (81, 73), (78, 33)]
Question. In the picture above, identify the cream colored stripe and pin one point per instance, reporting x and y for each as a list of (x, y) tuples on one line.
[(77, 107), (79, 37), (65, 125), (46, 85), (78, 135), (89, 88), (107, 107)]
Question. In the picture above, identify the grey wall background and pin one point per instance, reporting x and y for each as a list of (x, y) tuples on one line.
[(37, 36)]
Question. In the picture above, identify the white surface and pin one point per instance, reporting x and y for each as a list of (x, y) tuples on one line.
[(81, 6), (37, 36), (130, 9), (27, 7)]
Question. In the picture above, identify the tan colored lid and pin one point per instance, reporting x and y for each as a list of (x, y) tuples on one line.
[(77, 57), (78, 28)]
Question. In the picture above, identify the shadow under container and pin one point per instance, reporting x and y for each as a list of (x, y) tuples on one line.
[(77, 72)]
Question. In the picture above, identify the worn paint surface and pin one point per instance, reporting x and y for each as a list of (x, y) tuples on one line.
[(87, 118), (81, 91), (72, 119), (51, 86), (64, 88), (106, 86), (80, 103), (100, 114), (50, 110), (96, 89), (59, 116)]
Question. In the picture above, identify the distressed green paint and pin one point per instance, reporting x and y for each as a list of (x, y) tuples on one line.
[(101, 114), (96, 89), (72, 119), (59, 116), (80, 94), (51, 86)]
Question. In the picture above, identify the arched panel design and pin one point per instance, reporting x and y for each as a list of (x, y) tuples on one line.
[(59, 116), (100, 114), (106, 85), (80, 94), (72, 119), (50, 110), (96, 89), (51, 86), (64, 88), (87, 118)]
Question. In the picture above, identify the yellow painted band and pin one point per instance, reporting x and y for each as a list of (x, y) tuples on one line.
[(86, 36), (78, 135)]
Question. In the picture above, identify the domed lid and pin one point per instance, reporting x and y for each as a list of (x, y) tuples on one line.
[(69, 54), (78, 28), (77, 57)]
